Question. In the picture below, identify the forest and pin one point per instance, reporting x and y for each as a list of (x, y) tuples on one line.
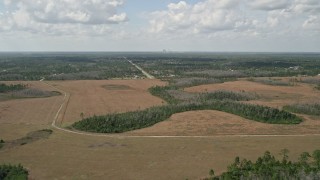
[(117, 123), (170, 66), (269, 167)]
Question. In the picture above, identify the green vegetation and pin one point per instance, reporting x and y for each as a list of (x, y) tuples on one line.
[(65, 66), (13, 172), (162, 92), (228, 65), (70, 66), (268, 167), (310, 109), (116, 123), (12, 87), (227, 95), (273, 82), (194, 81)]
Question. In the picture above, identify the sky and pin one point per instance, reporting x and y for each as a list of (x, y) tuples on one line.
[(154, 25)]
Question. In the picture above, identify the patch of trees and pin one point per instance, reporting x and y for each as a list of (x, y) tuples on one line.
[(116, 123), (162, 92), (269, 167), (227, 95), (13, 172), (310, 109), (34, 93), (273, 82), (194, 81), (11, 87)]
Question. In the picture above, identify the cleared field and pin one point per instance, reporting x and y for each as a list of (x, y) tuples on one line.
[(106, 96), (274, 96), (20, 116), (211, 123), (69, 156), (72, 156)]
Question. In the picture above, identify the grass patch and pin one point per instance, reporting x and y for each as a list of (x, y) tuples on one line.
[(27, 93), (116, 87), (310, 109), (34, 93), (272, 82), (29, 138)]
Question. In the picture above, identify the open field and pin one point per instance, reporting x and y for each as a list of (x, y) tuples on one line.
[(274, 96), (20, 116), (69, 156), (106, 96), (131, 156)]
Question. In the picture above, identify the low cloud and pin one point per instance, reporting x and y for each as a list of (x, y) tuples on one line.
[(256, 17)]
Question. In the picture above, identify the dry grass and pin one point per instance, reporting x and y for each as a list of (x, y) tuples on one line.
[(100, 97), (211, 123), (68, 156), (274, 96), (72, 156), (29, 111)]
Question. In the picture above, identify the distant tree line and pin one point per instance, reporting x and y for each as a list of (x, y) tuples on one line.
[(268, 167)]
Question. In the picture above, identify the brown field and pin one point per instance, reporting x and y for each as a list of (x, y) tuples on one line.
[(69, 156), (106, 96), (274, 96), (72, 156), (20, 116)]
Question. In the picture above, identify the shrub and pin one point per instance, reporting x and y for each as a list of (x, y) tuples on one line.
[(310, 109), (13, 172)]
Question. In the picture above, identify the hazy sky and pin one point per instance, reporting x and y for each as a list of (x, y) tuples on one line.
[(153, 25)]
